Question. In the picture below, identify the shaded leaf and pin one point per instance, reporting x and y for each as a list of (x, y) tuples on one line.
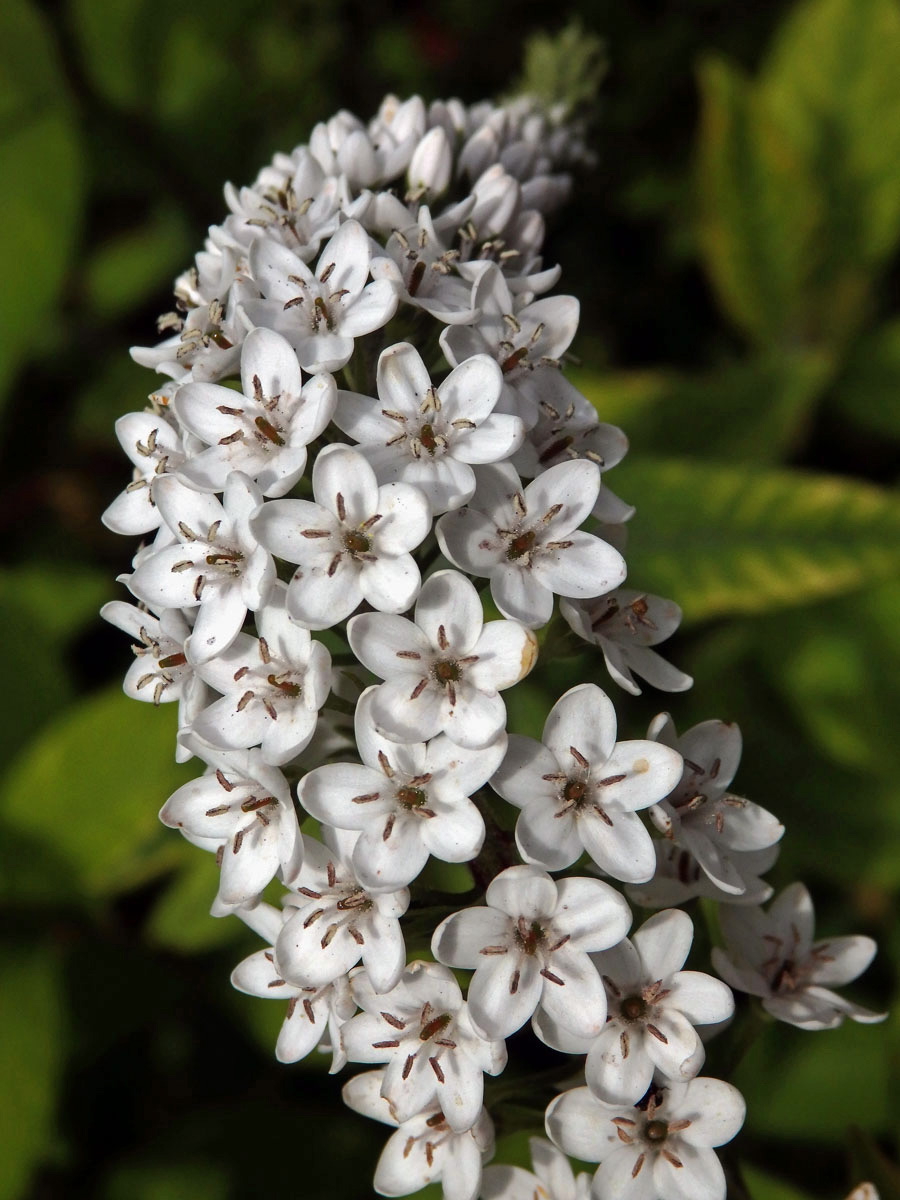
[(757, 207), (31, 1020), (755, 410), (763, 1186), (873, 1165), (91, 786), (181, 920), (868, 389), (164, 1181), (41, 169), (724, 540), (129, 266)]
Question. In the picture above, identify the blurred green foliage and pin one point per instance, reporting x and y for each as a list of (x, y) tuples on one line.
[(736, 255)]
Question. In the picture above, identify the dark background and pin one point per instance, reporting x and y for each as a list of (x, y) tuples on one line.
[(735, 254)]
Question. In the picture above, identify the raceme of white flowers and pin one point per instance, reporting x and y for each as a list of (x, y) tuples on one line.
[(362, 483)]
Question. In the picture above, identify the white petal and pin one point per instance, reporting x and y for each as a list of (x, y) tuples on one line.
[(525, 891), (506, 653), (342, 471), (450, 602), (460, 938), (504, 992), (614, 1076), (385, 643), (716, 1111), (703, 999), (580, 1125), (497, 438), (583, 568), (593, 914), (664, 942), (578, 1004), (624, 850), (583, 717)]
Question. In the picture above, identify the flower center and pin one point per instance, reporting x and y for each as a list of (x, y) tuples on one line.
[(412, 797), (574, 791), (634, 1008), (428, 438), (446, 671), (521, 545), (285, 686), (529, 937), (357, 543), (656, 1131)]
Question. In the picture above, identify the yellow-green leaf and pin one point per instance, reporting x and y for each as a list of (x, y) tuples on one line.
[(90, 786), (31, 1021), (722, 540)]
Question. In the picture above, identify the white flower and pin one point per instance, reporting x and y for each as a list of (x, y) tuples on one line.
[(553, 1178), (424, 1149), (429, 436), (160, 671), (351, 544), (245, 804), (216, 565), (298, 206), (527, 541), (154, 448), (335, 922), (321, 312), (625, 623), (272, 687), (431, 165), (661, 1151), (263, 432), (408, 801), (700, 814), (580, 789), (443, 673), (528, 343), (208, 342), (422, 1029), (421, 267), (772, 955), (653, 1008), (864, 1191), (529, 947), (314, 1015), (679, 878)]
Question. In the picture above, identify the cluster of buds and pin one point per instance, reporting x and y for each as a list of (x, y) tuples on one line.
[(364, 435)]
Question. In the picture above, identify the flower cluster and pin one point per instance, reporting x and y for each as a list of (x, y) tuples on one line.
[(363, 437)]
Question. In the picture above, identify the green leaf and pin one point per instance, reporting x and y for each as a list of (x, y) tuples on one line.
[(31, 1020), (168, 1181), (41, 169), (180, 919), (868, 389), (757, 208), (41, 607), (101, 24), (129, 266), (754, 410), (763, 1186), (846, 1070), (725, 540), (831, 79), (91, 786)]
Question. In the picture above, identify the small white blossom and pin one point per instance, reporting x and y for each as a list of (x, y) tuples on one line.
[(245, 805), (155, 448), (335, 921), (423, 1030), (160, 671), (679, 878), (553, 1178), (653, 1008), (216, 565), (772, 955), (527, 541), (421, 267), (408, 801), (700, 814), (272, 687), (263, 430), (529, 947), (314, 1015), (528, 343), (429, 435), (661, 1150), (352, 542), (444, 671), (424, 1149), (321, 312), (625, 623), (581, 790)]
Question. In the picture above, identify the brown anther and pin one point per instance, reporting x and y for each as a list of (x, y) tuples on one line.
[(367, 798), (436, 1067), (389, 1045), (313, 917), (238, 842), (521, 546), (418, 689), (415, 277), (434, 1026), (305, 891), (218, 810), (172, 660), (514, 982), (394, 1021), (332, 874), (269, 432), (610, 779), (315, 533), (385, 765), (308, 1009), (254, 804), (553, 978), (413, 654), (245, 700), (388, 826), (408, 1066)]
